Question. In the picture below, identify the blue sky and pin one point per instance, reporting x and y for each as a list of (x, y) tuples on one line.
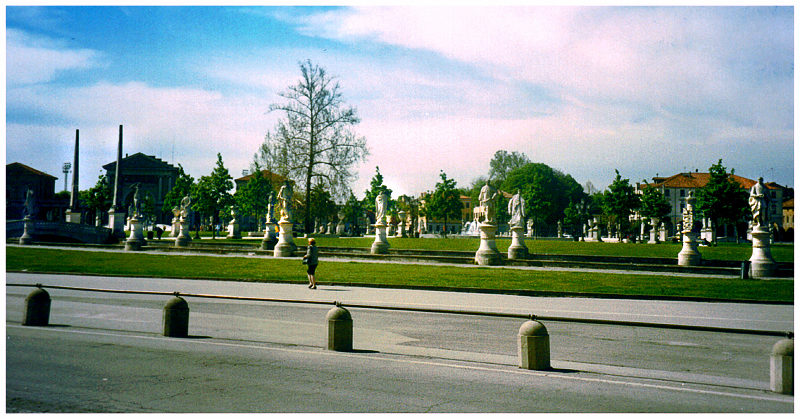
[(586, 90)]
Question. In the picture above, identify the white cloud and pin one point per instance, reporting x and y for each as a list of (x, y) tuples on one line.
[(196, 123), (34, 59)]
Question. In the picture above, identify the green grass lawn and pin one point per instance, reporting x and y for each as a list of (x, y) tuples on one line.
[(269, 269)]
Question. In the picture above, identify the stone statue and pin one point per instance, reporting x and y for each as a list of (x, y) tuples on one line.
[(516, 209), (186, 205), (688, 213), (233, 214), (381, 205), (137, 204), (487, 199), (285, 201), (30, 204), (759, 204), (271, 208)]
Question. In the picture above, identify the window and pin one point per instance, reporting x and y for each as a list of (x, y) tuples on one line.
[(683, 193)]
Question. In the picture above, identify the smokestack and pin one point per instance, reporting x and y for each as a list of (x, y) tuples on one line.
[(73, 199)]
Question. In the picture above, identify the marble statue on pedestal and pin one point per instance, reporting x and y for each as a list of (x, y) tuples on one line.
[(759, 205), (29, 211), (488, 201), (762, 265), (516, 209), (381, 206), (285, 201)]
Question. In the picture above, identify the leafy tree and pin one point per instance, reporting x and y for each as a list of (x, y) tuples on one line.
[(722, 199), (353, 209), (376, 187), (183, 185), (619, 202), (444, 203), (253, 198), (212, 192), (504, 163), (322, 206), (315, 142), (547, 192), (99, 198), (654, 204)]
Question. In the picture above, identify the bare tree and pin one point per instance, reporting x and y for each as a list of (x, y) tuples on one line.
[(314, 144)]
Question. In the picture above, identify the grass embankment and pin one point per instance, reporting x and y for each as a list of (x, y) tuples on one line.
[(268, 269)]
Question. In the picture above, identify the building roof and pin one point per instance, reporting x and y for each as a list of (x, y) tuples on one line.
[(698, 180), (139, 161), (272, 177), (21, 168), (789, 203)]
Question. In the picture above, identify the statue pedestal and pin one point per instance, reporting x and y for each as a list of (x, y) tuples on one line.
[(689, 256), (270, 237), (761, 263), (401, 229), (517, 250), (487, 253), (183, 238), (285, 246), (116, 222), (136, 239), (28, 229), (233, 230), (380, 246), (73, 216)]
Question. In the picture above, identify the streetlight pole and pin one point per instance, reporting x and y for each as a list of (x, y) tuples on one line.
[(65, 169)]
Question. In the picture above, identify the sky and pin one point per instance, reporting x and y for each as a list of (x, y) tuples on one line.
[(648, 91)]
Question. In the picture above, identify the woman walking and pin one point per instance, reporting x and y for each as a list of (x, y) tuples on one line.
[(312, 260)]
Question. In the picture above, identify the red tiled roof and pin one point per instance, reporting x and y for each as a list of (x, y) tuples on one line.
[(698, 180)]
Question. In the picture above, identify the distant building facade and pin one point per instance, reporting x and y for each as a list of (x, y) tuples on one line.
[(676, 188), (20, 178), (155, 176), (788, 219)]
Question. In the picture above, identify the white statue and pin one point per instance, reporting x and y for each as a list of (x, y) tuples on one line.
[(186, 205), (285, 201), (137, 204), (688, 212), (30, 204), (759, 204), (381, 205), (516, 209), (487, 200)]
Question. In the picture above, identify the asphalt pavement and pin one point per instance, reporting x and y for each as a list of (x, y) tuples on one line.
[(435, 344)]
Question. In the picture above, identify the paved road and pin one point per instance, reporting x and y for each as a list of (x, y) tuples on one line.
[(411, 362)]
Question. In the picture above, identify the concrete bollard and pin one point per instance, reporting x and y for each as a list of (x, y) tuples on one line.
[(781, 367), (534, 346), (176, 318), (37, 308), (340, 329)]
